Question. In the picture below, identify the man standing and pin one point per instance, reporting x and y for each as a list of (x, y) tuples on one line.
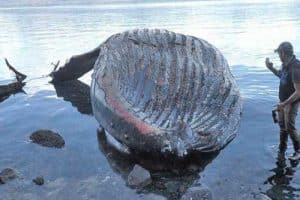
[(289, 94)]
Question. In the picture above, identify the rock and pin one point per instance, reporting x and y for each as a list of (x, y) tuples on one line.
[(197, 193), (7, 175), (39, 180), (47, 138), (139, 177)]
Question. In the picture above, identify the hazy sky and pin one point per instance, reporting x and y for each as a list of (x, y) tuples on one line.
[(8, 3), (17, 3)]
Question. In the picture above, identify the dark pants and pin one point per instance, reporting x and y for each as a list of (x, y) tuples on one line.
[(287, 126)]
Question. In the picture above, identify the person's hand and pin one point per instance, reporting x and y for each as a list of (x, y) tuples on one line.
[(280, 106), (268, 63)]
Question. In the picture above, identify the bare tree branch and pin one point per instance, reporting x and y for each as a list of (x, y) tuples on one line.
[(19, 76)]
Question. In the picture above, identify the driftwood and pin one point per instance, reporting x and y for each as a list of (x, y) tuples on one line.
[(12, 88), (19, 76)]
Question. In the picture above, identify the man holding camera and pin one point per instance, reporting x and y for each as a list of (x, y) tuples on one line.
[(289, 95)]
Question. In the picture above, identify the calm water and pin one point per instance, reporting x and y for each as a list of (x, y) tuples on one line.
[(33, 37)]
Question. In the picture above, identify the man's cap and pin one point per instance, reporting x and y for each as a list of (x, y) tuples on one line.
[(286, 47)]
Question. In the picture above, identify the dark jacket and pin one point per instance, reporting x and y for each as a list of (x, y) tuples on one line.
[(289, 74)]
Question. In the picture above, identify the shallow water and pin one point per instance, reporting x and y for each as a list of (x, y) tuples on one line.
[(33, 37)]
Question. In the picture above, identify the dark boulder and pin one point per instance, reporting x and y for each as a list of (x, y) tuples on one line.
[(7, 175), (47, 138), (39, 180)]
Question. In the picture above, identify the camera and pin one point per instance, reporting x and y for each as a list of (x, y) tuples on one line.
[(275, 115)]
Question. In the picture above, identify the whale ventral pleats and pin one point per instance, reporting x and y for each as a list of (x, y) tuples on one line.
[(167, 92)]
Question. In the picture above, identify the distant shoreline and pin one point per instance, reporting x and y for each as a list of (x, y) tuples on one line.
[(122, 3), (76, 3)]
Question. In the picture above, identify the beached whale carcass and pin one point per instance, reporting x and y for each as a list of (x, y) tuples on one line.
[(159, 91)]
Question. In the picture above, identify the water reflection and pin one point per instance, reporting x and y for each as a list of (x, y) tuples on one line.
[(280, 181), (76, 92), (170, 177)]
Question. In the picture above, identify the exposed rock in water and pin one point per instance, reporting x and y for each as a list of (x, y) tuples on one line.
[(47, 138), (139, 177), (197, 193), (7, 175), (39, 180)]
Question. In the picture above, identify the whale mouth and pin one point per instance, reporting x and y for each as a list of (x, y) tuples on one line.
[(116, 144)]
